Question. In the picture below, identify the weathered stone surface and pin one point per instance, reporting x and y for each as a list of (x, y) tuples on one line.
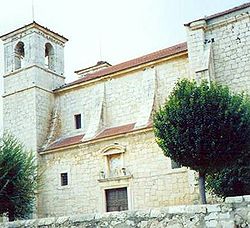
[(62, 220), (213, 208), (227, 224), (246, 198), (237, 199), (218, 49), (195, 216), (211, 224)]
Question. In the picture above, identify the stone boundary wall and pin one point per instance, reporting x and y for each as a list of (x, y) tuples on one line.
[(233, 213)]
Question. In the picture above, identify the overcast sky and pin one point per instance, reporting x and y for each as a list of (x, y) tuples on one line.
[(110, 30)]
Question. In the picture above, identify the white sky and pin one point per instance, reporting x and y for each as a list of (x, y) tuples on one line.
[(124, 29)]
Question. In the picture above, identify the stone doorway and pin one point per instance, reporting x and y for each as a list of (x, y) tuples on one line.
[(116, 199)]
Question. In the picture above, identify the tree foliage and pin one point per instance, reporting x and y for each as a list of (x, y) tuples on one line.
[(204, 127), (230, 181), (18, 178)]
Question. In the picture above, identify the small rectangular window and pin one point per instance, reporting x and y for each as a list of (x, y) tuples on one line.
[(78, 123), (64, 179), (175, 165)]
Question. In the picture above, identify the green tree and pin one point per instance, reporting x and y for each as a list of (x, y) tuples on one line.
[(204, 127), (18, 179), (230, 181)]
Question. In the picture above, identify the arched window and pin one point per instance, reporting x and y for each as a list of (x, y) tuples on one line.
[(49, 56), (19, 55)]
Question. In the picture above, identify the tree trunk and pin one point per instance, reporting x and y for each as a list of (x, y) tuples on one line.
[(11, 216), (202, 188)]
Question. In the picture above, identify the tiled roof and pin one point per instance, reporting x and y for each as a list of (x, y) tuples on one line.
[(116, 131), (66, 142), (243, 6), (35, 24), (176, 49), (113, 131), (97, 64)]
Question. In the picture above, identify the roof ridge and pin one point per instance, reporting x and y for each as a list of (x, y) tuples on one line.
[(37, 24), (156, 55), (222, 13), (147, 55)]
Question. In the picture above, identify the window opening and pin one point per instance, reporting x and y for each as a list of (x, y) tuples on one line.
[(64, 179), (78, 123), (19, 55), (49, 56)]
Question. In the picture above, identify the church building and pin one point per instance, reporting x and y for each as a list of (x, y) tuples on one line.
[(94, 137)]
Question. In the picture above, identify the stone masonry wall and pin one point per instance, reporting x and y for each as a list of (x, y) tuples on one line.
[(231, 51), (34, 47), (29, 77), (28, 98), (229, 36), (31, 123), (25, 119), (235, 212), (151, 182), (124, 96), (44, 105)]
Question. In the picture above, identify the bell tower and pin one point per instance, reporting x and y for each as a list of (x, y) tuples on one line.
[(33, 68)]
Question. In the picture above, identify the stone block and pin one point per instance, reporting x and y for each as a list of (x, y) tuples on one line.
[(156, 224), (223, 216), (82, 218), (213, 208), (235, 199), (226, 207), (121, 225), (4, 218), (176, 225), (155, 213), (227, 224), (143, 213), (61, 220), (177, 209), (46, 221), (15, 224), (239, 220), (164, 210), (142, 224), (246, 198), (195, 209), (211, 224), (31, 223), (211, 216)]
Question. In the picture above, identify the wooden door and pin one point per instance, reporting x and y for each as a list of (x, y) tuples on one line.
[(117, 199)]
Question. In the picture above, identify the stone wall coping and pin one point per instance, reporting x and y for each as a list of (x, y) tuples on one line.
[(211, 213)]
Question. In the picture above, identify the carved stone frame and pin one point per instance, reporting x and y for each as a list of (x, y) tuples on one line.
[(111, 150)]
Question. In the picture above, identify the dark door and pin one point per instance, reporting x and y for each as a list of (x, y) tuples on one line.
[(117, 199)]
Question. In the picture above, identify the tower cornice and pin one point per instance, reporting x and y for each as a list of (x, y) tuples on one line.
[(37, 26)]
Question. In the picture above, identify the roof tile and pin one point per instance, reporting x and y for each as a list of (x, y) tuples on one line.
[(66, 142), (108, 132), (115, 131), (176, 49)]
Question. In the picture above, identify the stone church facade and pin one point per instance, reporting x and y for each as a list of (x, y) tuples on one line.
[(94, 136)]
